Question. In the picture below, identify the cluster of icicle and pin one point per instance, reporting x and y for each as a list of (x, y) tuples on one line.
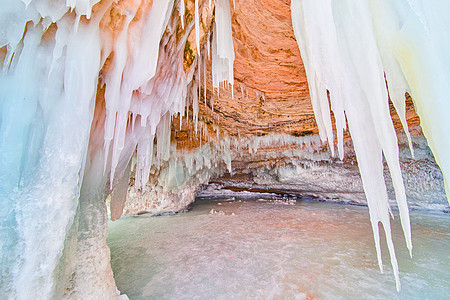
[(55, 54), (47, 92), (174, 180), (176, 171), (352, 48)]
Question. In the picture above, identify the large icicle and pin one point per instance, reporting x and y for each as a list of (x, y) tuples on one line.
[(331, 35), (386, 27), (222, 47), (420, 46), (197, 27)]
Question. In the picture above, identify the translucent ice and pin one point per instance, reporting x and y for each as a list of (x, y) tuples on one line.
[(48, 88), (41, 167), (350, 49)]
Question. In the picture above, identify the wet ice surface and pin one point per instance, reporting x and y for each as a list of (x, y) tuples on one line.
[(266, 249)]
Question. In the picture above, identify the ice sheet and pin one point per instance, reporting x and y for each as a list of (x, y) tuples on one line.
[(269, 250)]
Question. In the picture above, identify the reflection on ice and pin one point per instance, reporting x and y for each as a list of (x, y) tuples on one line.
[(257, 249)]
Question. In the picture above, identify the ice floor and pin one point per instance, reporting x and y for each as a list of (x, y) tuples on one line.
[(255, 249)]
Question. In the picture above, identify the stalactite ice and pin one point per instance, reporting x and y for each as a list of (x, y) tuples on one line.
[(350, 48), (222, 45), (40, 106), (48, 91)]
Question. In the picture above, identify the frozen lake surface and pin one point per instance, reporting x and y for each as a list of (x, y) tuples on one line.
[(272, 249)]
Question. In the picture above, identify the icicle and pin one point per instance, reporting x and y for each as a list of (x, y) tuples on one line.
[(419, 48), (133, 122), (138, 72), (329, 39), (187, 112), (312, 53), (144, 159), (222, 45), (386, 27), (195, 107), (204, 78), (182, 11), (113, 82), (163, 138), (212, 101), (199, 91), (197, 27), (208, 45)]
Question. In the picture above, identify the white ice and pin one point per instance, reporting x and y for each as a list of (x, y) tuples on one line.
[(222, 45), (348, 47)]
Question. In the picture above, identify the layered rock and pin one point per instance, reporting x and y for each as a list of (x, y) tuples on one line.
[(270, 94)]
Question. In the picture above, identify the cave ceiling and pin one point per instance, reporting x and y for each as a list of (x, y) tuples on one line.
[(270, 92), (270, 86)]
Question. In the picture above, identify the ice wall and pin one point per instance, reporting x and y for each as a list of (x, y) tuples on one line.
[(48, 90), (47, 93), (84, 85), (351, 49)]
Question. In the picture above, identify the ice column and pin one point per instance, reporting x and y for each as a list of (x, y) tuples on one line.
[(47, 92)]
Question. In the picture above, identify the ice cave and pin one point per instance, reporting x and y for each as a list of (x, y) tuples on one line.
[(224, 149)]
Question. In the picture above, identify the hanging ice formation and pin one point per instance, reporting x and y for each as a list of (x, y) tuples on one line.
[(84, 84), (222, 45), (350, 47)]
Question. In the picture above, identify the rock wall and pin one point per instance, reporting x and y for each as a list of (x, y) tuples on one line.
[(270, 94)]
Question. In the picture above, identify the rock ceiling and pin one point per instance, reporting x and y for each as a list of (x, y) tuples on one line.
[(270, 90)]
